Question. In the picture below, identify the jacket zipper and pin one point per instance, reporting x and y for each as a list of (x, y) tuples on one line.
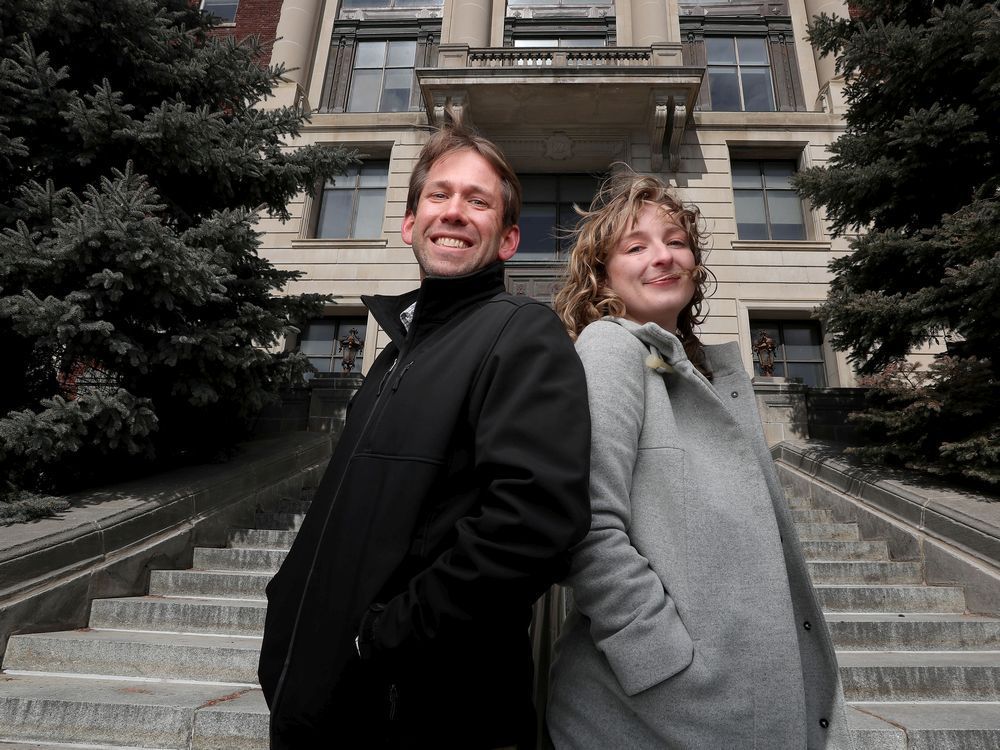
[(393, 701)]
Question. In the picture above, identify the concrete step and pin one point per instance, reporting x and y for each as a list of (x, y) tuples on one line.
[(208, 583), (261, 538), (121, 653), (920, 675), (115, 712), (827, 531), (812, 515), (839, 550), (864, 571), (278, 520), (190, 615), (237, 724), (912, 632), (928, 725), (294, 506), (836, 598), (238, 558)]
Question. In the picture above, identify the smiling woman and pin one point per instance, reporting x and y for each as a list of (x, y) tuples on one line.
[(671, 644)]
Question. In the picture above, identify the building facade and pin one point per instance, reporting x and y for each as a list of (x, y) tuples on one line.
[(725, 100)]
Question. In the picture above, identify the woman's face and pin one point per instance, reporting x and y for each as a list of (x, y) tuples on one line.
[(650, 269)]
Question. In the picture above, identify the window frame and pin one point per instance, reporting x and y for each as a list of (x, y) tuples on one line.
[(760, 160), (780, 323), (343, 50), (527, 257), (777, 30), (342, 325), (224, 21), (356, 188), (525, 29)]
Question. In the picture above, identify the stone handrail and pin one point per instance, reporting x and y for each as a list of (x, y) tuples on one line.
[(537, 57)]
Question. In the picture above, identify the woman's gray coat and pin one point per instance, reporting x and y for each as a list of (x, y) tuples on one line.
[(694, 624)]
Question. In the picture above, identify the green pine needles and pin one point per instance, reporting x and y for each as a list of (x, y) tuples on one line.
[(918, 172), (136, 314)]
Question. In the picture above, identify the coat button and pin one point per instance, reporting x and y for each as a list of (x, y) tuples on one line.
[(807, 625), (824, 723), (734, 394)]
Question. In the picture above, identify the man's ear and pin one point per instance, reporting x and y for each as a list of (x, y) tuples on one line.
[(406, 230), (509, 241)]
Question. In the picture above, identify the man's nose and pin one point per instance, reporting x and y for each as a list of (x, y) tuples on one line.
[(453, 211)]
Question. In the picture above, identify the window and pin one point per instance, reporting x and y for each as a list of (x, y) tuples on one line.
[(766, 206), (558, 3), (371, 64), (547, 210), (382, 79), (359, 4), (321, 343), (798, 355), (570, 41), (749, 55), (224, 10), (739, 74), (352, 205)]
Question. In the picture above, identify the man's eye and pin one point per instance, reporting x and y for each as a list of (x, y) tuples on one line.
[(478, 202)]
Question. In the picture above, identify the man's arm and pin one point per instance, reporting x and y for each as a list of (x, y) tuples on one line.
[(532, 446)]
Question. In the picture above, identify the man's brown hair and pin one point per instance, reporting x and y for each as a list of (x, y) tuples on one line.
[(456, 136)]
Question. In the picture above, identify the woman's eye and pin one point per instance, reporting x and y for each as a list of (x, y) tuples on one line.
[(634, 249)]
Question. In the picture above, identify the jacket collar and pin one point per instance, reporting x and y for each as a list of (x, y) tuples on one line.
[(723, 359), (439, 299)]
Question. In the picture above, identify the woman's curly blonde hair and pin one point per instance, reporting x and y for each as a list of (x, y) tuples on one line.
[(586, 296)]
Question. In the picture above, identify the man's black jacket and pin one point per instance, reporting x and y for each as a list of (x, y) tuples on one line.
[(452, 499)]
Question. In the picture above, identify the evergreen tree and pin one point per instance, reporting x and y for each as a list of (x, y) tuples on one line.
[(918, 174), (135, 311)]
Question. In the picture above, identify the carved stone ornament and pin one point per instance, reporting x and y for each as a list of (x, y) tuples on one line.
[(558, 147)]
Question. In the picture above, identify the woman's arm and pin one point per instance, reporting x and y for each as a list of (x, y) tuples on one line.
[(633, 620)]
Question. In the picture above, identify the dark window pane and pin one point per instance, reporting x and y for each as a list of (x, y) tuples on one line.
[(811, 374), (751, 222), (778, 174), (371, 204), (752, 49), (720, 49), (365, 89), (369, 55), (724, 89), (746, 174), (402, 53), (802, 342), (538, 188), (758, 96), (578, 188), (335, 214), (318, 339), (225, 10), (785, 211), (537, 240), (396, 96), (582, 41), (374, 174)]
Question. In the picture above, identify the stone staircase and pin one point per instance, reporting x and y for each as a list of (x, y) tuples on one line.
[(919, 672), (177, 668)]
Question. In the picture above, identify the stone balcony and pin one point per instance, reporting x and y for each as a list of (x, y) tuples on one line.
[(511, 90)]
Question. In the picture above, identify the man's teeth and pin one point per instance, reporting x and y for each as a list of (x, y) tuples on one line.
[(451, 242)]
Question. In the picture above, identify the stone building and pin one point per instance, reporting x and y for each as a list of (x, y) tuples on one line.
[(724, 99)]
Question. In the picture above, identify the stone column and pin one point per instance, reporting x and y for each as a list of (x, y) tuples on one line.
[(467, 22), (650, 22), (830, 85), (295, 47)]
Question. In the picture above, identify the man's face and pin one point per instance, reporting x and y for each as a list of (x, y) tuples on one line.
[(457, 227)]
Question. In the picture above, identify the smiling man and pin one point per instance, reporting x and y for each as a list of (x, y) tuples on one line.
[(400, 617)]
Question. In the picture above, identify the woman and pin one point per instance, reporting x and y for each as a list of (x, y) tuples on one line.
[(694, 622)]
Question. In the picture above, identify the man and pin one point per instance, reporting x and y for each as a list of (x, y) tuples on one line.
[(400, 616)]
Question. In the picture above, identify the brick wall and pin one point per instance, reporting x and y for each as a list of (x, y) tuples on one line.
[(258, 17)]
